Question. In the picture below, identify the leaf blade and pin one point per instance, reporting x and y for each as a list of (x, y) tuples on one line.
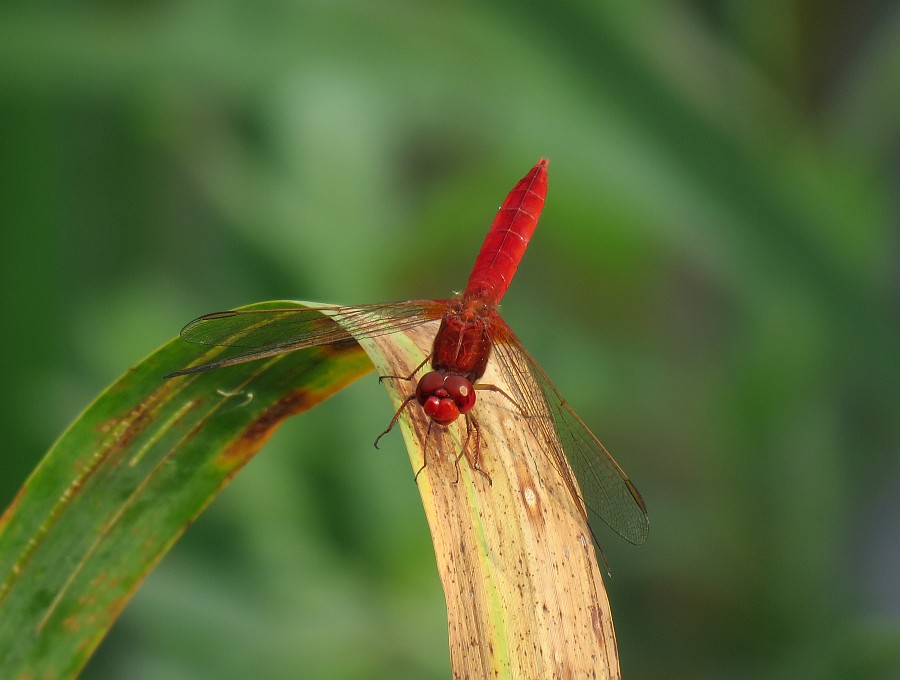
[(124, 481)]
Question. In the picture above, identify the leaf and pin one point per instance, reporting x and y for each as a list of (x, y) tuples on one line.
[(525, 596), (520, 574), (126, 479)]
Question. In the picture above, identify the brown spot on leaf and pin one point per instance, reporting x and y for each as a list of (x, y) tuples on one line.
[(259, 431), (339, 347), (120, 432), (71, 623), (8, 513)]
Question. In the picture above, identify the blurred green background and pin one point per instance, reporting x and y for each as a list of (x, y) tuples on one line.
[(714, 286)]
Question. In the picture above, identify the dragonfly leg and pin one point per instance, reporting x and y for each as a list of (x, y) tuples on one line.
[(487, 387), (473, 454), (424, 453), (405, 377), (406, 402)]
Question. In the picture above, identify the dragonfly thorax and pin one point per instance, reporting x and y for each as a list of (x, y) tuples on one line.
[(463, 343)]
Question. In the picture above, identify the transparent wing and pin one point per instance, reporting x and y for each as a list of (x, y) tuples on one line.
[(607, 492), (267, 332)]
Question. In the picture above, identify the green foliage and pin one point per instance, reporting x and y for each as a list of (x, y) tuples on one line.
[(124, 482)]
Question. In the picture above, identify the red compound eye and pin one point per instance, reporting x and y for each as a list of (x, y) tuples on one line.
[(428, 385), (442, 411), (443, 398), (461, 391)]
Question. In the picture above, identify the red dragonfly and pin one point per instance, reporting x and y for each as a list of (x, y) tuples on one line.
[(471, 333)]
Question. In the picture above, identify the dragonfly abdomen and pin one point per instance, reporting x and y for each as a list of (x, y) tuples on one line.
[(508, 236)]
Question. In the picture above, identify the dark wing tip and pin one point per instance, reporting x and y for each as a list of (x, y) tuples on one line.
[(202, 319), (192, 369)]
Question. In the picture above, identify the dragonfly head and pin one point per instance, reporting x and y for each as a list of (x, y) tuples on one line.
[(445, 397)]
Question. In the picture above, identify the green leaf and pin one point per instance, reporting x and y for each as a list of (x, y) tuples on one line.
[(126, 479)]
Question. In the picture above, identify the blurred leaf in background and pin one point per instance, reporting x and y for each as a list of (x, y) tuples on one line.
[(713, 286)]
